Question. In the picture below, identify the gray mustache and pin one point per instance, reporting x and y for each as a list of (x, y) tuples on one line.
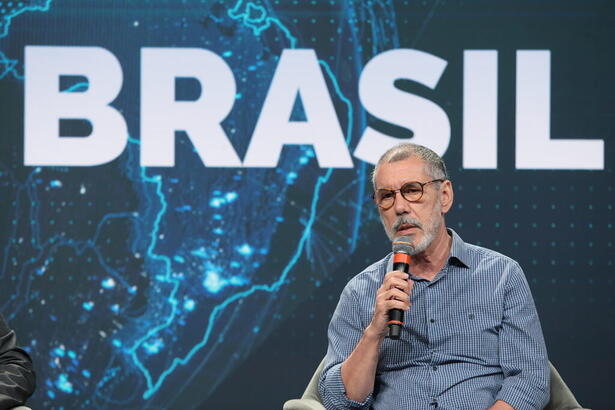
[(406, 220)]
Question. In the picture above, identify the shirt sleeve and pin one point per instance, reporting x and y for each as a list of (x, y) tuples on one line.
[(345, 331), (523, 355), (17, 379)]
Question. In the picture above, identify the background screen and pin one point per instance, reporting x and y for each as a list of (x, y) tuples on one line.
[(204, 284)]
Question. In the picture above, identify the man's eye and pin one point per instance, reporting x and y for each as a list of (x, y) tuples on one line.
[(411, 189), (386, 194)]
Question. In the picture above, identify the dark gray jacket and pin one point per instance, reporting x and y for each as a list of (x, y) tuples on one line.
[(17, 378)]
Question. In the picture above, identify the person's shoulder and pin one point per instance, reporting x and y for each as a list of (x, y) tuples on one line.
[(485, 256)]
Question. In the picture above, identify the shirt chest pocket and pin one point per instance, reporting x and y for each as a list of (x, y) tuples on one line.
[(471, 329)]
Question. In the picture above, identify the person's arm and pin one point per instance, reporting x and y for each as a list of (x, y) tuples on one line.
[(17, 379), (523, 355), (348, 378)]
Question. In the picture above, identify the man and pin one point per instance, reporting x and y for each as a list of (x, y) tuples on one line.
[(17, 380), (471, 337)]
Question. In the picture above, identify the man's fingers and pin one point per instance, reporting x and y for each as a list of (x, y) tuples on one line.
[(393, 304), (397, 274), (397, 294), (397, 304), (403, 285), (393, 295)]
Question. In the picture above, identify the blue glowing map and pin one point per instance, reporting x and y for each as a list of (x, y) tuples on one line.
[(157, 266)]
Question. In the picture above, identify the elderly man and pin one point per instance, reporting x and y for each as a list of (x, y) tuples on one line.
[(471, 337)]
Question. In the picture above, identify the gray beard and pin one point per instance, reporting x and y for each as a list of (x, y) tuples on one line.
[(428, 235)]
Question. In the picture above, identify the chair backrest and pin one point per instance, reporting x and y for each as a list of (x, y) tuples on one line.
[(311, 391), (561, 396)]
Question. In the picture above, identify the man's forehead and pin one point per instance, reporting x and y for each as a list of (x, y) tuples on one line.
[(407, 169)]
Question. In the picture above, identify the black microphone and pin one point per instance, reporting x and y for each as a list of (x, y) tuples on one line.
[(402, 249)]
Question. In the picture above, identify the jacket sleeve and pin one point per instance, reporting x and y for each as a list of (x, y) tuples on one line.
[(17, 378), (523, 355)]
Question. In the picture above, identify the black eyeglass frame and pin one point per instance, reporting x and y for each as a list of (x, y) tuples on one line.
[(395, 191)]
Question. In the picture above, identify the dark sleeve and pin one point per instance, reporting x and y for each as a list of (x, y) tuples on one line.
[(17, 379)]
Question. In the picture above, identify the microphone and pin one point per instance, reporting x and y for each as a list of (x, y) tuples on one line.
[(402, 249)]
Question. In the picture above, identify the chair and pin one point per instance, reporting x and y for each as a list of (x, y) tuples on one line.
[(561, 396)]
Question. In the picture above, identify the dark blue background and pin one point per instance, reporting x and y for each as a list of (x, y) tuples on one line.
[(265, 344)]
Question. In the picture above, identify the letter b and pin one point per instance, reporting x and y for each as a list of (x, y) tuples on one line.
[(45, 105)]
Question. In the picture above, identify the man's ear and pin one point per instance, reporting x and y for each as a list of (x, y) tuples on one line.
[(446, 196)]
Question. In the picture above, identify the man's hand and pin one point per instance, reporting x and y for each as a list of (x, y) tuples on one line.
[(393, 294), (501, 405)]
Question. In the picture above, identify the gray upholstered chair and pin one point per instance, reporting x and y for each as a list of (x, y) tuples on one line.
[(561, 396)]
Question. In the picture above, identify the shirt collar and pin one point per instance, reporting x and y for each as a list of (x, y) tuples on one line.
[(459, 255), (459, 251)]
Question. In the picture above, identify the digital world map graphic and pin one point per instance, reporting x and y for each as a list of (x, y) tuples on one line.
[(139, 276)]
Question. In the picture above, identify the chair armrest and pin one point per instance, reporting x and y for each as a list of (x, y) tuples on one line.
[(303, 404), (21, 408)]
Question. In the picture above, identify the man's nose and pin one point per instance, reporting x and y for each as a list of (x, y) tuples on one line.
[(401, 206)]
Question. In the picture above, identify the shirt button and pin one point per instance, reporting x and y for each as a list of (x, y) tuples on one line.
[(432, 320), (435, 368)]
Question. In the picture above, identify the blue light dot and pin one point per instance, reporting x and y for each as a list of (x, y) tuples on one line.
[(153, 347), (237, 281), (108, 283), (245, 250), (290, 177), (213, 282), (63, 384), (189, 305), (216, 202)]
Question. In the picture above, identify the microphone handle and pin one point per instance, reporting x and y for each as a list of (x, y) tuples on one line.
[(396, 316)]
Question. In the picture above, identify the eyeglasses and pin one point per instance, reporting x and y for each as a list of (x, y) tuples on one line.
[(410, 191)]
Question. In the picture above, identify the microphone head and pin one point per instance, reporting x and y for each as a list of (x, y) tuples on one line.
[(403, 244)]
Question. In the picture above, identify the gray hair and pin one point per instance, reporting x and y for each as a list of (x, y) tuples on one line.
[(434, 165)]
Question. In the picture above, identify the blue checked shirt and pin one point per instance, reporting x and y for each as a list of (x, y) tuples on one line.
[(471, 337)]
